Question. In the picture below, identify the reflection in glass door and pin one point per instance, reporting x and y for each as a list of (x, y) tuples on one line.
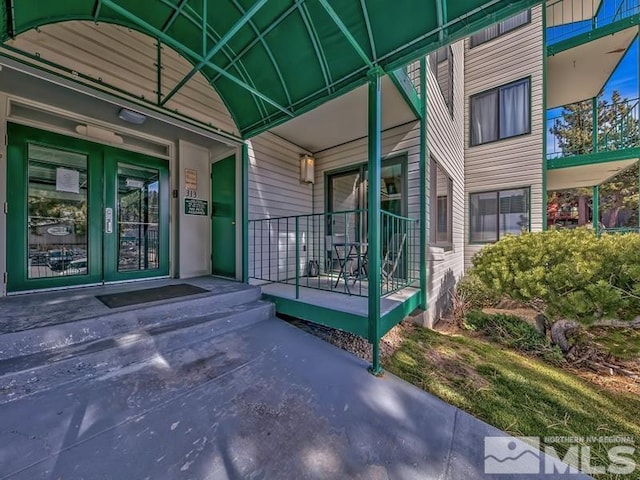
[(57, 213), (137, 216)]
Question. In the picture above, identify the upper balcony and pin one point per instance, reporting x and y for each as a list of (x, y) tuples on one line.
[(590, 141), (576, 21)]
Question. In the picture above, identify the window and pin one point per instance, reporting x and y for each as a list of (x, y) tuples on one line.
[(500, 28), (441, 188), (501, 113), (496, 214), (441, 64)]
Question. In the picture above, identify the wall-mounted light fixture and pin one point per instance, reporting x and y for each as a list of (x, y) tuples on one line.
[(307, 164), (130, 116), (99, 133)]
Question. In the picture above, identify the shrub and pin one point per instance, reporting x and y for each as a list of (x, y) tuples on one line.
[(513, 332), (476, 292), (573, 274)]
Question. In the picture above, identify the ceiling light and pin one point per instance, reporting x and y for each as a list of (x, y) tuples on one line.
[(131, 117)]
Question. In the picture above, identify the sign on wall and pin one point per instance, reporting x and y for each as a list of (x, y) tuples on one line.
[(195, 206), (190, 180)]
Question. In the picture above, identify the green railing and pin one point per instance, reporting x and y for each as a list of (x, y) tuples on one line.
[(569, 18), (329, 251), (617, 127)]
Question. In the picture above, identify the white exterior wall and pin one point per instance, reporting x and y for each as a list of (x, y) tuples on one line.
[(514, 162), (445, 138), (275, 191)]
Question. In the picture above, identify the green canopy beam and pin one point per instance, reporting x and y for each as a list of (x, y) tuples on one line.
[(183, 48), (176, 13), (345, 31), (96, 10), (365, 15), (317, 47), (441, 13), (221, 43), (260, 38)]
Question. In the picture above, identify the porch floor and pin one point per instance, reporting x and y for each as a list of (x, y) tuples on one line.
[(337, 300)]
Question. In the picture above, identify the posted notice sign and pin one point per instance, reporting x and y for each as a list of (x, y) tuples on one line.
[(194, 206)]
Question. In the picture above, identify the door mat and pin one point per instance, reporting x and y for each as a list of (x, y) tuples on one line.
[(126, 299)]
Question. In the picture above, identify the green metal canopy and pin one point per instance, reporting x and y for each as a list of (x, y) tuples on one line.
[(270, 60)]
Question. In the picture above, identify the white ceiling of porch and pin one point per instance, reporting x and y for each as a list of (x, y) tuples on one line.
[(585, 175)]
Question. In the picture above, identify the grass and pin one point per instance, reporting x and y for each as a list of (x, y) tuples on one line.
[(514, 392)]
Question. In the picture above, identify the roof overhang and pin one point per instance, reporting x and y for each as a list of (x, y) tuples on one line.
[(344, 119), (581, 72), (273, 60), (585, 175)]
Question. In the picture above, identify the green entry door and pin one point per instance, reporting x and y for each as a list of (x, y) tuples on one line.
[(223, 217), (81, 213)]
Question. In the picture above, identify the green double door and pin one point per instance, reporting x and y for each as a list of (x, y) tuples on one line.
[(82, 213)]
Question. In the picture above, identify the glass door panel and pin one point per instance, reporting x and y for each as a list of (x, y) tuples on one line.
[(136, 212), (138, 221), (57, 213)]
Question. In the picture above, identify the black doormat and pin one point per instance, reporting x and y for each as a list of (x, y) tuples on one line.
[(126, 299)]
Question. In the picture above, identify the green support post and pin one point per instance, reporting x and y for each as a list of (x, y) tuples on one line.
[(596, 209), (245, 213), (423, 187), (594, 116), (373, 235)]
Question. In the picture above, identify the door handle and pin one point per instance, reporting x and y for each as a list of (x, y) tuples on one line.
[(108, 220)]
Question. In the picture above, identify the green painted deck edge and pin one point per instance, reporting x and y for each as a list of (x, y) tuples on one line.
[(347, 322), (592, 35), (400, 312), (593, 158), (406, 88)]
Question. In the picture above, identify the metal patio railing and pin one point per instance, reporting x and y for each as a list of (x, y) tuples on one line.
[(569, 18), (329, 251), (617, 128)]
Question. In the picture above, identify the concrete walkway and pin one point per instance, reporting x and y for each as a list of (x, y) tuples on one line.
[(265, 401)]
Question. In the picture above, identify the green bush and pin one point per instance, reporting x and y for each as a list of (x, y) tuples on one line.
[(573, 274), (476, 292), (512, 332)]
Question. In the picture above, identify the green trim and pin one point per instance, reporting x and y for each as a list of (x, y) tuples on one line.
[(158, 73), (545, 67), (408, 91), (424, 191), (245, 213), (596, 209), (592, 35), (497, 89), (374, 213), (345, 321), (593, 158), (399, 313)]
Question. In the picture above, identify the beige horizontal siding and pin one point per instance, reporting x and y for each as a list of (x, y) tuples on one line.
[(275, 191), (446, 146), (514, 162), (119, 57)]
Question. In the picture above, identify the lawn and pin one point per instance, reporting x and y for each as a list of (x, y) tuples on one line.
[(514, 392)]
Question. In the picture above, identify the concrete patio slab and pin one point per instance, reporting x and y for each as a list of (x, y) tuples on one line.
[(267, 401)]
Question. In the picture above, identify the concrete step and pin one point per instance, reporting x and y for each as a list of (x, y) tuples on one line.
[(77, 317), (161, 343)]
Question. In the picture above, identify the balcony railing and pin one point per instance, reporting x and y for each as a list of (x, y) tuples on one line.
[(569, 18), (571, 133), (329, 251)]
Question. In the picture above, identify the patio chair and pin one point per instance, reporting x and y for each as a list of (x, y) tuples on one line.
[(392, 256)]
